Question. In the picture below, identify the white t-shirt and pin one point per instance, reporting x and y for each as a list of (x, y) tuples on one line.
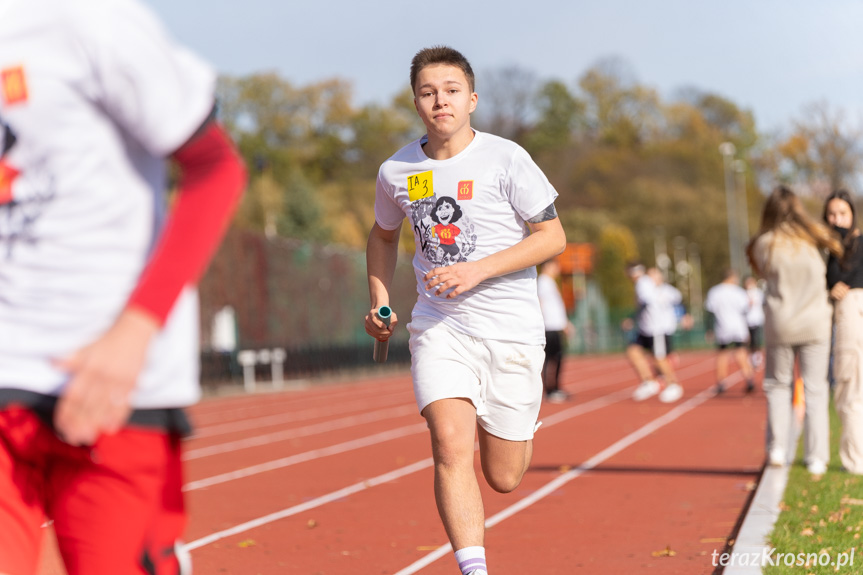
[(93, 96), (670, 299), (552, 304), (656, 314), (755, 315), (729, 305), (463, 209)]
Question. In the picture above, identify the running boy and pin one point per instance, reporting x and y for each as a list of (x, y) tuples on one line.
[(99, 344), (729, 304), (654, 316), (483, 217)]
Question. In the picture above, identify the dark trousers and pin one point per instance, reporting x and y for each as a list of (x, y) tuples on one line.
[(553, 359)]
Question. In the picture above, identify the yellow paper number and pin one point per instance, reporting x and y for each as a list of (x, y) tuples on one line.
[(420, 186)]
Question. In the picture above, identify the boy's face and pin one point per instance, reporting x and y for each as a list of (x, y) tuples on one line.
[(443, 100)]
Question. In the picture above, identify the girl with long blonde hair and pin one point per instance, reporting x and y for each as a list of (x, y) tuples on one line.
[(788, 252)]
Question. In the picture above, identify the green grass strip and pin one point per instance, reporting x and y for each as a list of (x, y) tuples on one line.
[(820, 528)]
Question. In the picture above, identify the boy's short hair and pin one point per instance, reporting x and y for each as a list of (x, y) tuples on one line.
[(635, 268), (441, 55)]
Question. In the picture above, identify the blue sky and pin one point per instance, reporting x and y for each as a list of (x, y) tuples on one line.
[(770, 56)]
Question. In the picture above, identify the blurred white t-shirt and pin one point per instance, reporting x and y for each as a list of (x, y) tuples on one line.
[(729, 305), (552, 304), (93, 96)]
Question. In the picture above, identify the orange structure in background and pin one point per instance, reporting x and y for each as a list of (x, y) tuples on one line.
[(576, 262)]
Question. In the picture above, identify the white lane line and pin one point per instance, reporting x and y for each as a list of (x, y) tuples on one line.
[(382, 437), (278, 419), (334, 496), (307, 456), (570, 413), (268, 438), (205, 426), (565, 478), (575, 411), (206, 413)]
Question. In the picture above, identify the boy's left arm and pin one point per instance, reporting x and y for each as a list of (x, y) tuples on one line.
[(547, 239)]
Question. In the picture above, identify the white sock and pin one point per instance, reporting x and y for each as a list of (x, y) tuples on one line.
[(471, 560)]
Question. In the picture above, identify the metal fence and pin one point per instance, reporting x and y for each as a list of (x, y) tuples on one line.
[(304, 298)]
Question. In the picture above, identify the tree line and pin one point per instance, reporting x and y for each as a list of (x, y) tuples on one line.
[(631, 167)]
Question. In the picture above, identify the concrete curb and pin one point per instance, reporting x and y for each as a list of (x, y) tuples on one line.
[(759, 522)]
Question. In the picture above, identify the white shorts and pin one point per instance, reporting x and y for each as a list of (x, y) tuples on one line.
[(502, 379)]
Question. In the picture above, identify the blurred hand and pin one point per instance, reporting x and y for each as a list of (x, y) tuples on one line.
[(686, 322), (839, 291), (103, 376), (457, 278), (377, 329)]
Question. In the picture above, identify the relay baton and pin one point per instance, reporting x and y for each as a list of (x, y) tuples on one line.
[(384, 314)]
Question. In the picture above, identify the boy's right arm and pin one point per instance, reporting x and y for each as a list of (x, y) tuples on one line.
[(381, 255)]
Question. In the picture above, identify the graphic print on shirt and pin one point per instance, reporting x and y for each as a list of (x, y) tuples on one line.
[(444, 233), (445, 213), (22, 200)]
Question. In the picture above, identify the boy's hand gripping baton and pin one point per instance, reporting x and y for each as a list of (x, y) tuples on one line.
[(384, 314)]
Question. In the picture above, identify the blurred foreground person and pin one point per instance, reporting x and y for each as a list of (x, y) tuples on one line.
[(99, 342), (786, 253), (845, 282)]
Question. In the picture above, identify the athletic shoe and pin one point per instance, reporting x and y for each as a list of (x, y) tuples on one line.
[(720, 388), (750, 386), (776, 457), (557, 396), (671, 393), (645, 390), (817, 468)]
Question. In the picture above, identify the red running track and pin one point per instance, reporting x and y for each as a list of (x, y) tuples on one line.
[(336, 479)]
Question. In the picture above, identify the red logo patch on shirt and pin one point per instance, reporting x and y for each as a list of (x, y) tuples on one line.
[(465, 190), (14, 85), (7, 176)]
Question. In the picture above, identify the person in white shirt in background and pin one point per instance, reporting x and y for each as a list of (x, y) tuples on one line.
[(675, 313), (557, 329), (729, 304), (755, 321), (655, 306)]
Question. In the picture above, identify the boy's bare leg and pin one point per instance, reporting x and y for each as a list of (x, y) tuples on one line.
[(666, 370), (741, 356), (504, 462), (638, 359), (452, 423), (722, 365)]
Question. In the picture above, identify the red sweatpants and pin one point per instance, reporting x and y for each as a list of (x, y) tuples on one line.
[(117, 506)]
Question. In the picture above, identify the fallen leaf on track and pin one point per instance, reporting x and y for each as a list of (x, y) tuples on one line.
[(667, 552)]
